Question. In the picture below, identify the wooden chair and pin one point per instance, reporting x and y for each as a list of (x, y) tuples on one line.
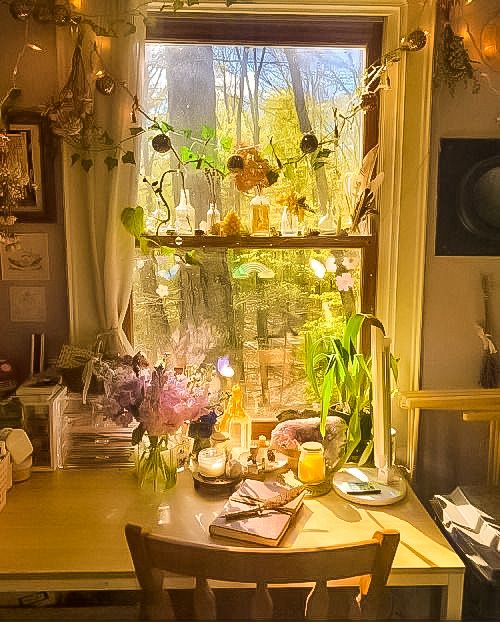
[(368, 561)]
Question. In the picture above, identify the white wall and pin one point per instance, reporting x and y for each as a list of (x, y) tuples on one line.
[(454, 452)]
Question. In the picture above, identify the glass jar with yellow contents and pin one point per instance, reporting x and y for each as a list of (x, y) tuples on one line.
[(311, 467)]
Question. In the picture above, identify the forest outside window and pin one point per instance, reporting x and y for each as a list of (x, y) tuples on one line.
[(265, 89)]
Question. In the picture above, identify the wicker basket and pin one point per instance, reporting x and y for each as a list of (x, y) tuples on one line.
[(5, 479)]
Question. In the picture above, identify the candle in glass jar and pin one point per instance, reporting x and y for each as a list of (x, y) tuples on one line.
[(212, 462), (311, 467)]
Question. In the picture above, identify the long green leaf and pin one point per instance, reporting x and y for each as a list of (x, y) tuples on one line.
[(366, 453), (326, 394)]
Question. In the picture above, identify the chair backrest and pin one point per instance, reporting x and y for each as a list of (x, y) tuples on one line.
[(368, 561)]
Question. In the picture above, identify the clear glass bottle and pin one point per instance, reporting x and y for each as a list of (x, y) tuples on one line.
[(259, 206), (289, 223), (213, 217), (191, 212), (326, 223), (311, 467), (183, 221)]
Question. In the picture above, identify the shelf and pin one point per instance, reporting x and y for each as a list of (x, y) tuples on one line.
[(247, 241), (451, 399)]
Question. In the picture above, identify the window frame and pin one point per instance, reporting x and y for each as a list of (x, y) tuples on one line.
[(285, 30)]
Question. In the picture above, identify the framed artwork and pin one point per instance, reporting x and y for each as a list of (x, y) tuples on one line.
[(27, 304), (468, 197), (29, 260), (31, 154)]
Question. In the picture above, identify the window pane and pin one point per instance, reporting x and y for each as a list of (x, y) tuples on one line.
[(265, 97), (251, 306)]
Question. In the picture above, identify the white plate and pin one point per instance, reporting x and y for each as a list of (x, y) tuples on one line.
[(280, 461)]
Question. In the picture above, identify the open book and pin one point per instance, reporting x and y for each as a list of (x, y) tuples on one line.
[(267, 528)]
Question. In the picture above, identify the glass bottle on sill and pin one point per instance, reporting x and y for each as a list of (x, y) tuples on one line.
[(326, 223), (289, 223), (259, 206), (191, 212), (183, 219), (213, 217)]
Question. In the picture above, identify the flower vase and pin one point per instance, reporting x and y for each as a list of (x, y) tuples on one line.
[(156, 463)]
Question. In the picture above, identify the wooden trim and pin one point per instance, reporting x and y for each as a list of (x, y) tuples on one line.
[(369, 275), (451, 399), (271, 29), (320, 241)]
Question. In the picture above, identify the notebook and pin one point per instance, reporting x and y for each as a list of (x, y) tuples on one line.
[(266, 529)]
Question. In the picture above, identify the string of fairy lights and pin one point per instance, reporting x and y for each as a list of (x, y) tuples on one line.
[(72, 112)]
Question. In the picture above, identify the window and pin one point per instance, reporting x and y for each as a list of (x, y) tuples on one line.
[(264, 83)]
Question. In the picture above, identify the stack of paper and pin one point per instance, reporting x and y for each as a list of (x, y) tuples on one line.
[(473, 531)]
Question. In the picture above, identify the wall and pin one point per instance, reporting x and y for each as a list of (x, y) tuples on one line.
[(37, 79), (453, 452)]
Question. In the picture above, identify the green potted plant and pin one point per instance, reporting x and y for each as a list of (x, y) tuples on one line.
[(341, 378)]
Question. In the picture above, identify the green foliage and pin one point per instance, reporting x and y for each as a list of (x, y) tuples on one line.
[(338, 373), (133, 220), (128, 157), (87, 164), (111, 162), (107, 139)]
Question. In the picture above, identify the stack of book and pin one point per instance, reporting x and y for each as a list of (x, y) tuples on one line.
[(248, 516)]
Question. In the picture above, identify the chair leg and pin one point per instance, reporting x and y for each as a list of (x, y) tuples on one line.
[(262, 604), (317, 602), (204, 601)]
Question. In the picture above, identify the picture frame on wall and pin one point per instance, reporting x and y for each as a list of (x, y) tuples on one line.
[(27, 304), (28, 260), (32, 153), (468, 197)]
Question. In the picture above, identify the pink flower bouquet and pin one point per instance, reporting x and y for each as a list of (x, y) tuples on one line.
[(170, 400)]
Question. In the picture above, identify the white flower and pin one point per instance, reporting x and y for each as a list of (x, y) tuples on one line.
[(350, 262), (330, 264), (162, 291), (344, 282)]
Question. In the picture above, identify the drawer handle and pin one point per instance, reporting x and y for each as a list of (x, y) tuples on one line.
[(103, 441), (102, 457)]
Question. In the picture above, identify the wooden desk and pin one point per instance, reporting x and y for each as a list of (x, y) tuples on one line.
[(64, 530)]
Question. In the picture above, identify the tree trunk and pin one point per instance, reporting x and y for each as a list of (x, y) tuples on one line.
[(304, 121), (191, 105)]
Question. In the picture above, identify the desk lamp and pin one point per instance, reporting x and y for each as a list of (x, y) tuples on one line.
[(381, 484)]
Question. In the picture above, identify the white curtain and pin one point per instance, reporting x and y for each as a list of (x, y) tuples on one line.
[(100, 251)]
